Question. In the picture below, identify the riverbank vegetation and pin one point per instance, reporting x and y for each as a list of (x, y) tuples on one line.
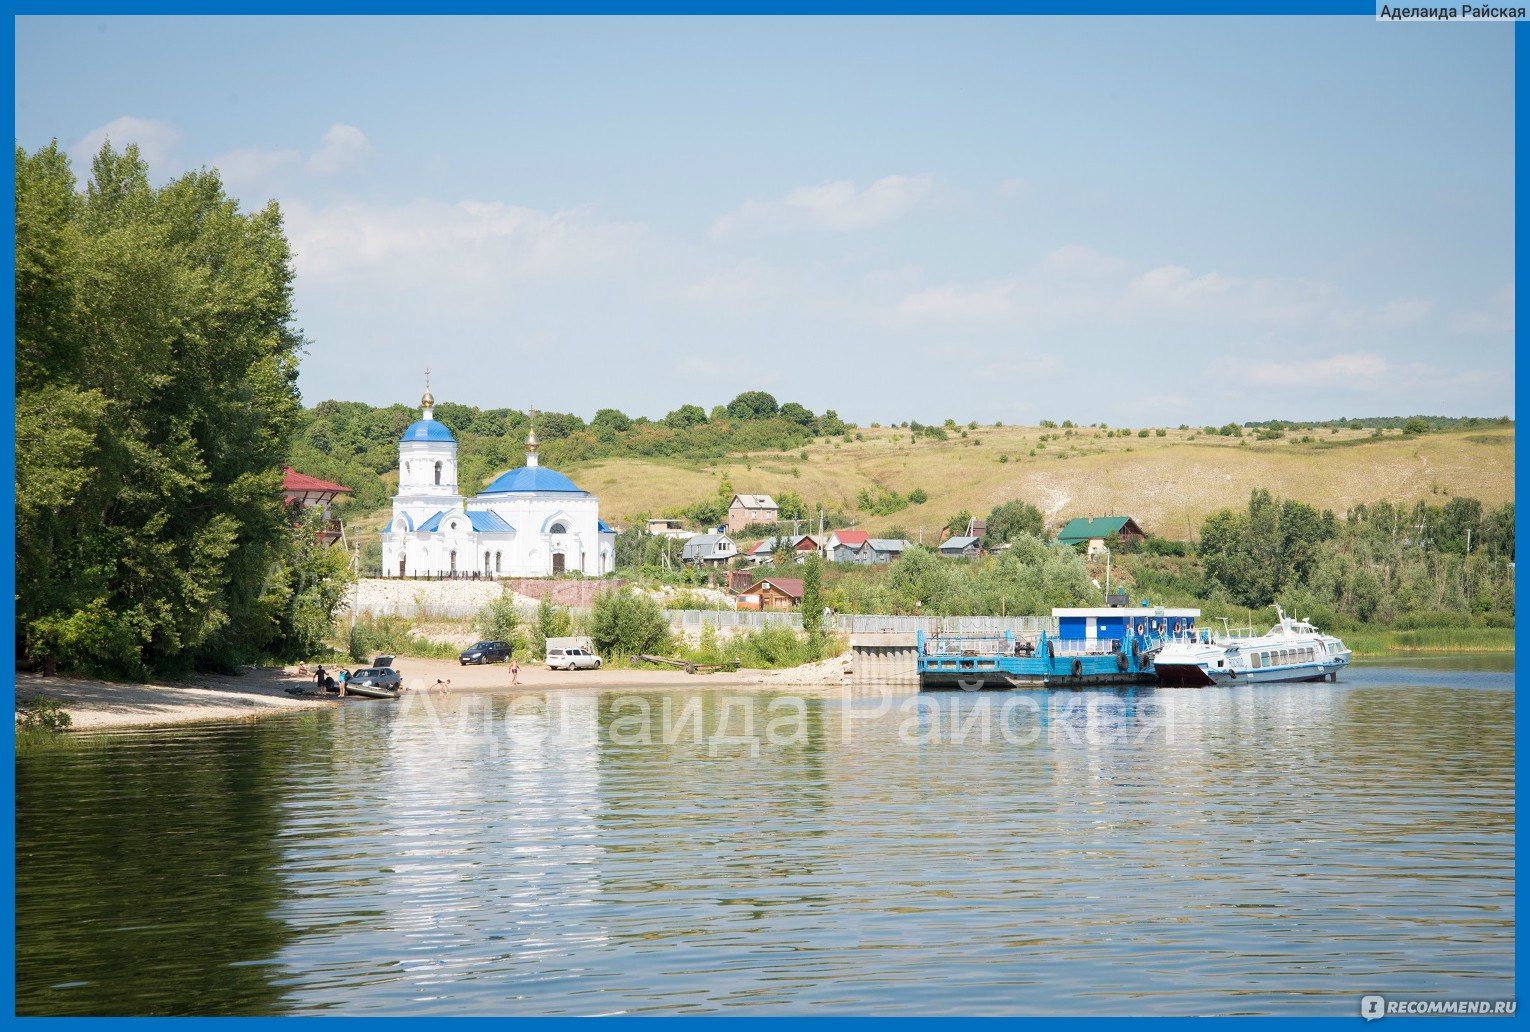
[(156, 402)]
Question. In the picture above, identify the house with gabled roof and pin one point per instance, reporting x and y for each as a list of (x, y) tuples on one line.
[(745, 509), (885, 550), (303, 491), (846, 546), (961, 547), (772, 593), (1100, 532), (708, 550), (802, 544)]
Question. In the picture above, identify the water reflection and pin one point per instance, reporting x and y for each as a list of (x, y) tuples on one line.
[(1268, 849)]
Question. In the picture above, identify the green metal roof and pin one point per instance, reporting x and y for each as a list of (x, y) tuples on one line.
[(1084, 528)]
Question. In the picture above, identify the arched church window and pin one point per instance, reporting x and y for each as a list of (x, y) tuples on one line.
[(497, 556), (486, 562), (557, 528), (438, 473), (454, 560)]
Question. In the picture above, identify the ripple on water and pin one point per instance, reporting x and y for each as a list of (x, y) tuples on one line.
[(1254, 850)]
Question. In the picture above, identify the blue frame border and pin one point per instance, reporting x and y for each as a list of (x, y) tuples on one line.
[(629, 7)]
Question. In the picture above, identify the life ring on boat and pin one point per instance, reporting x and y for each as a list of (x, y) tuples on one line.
[(1121, 662), (1140, 628), (1177, 627), (1078, 667)]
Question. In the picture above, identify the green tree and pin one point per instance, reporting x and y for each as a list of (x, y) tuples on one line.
[(752, 405), (686, 416), (796, 413), (625, 622), (614, 419), (1008, 520), (812, 595), (957, 524), (500, 620), (156, 406), (551, 621)]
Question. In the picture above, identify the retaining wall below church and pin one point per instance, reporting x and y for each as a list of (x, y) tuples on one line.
[(392, 596)]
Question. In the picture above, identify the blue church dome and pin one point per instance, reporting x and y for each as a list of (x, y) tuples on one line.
[(528, 479), (427, 430)]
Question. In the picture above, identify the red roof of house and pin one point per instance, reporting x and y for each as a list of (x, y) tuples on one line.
[(853, 538), (292, 481), (787, 585)]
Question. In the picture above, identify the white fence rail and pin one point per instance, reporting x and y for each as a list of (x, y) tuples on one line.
[(697, 618)]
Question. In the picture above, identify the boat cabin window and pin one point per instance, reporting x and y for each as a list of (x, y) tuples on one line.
[(1257, 660)]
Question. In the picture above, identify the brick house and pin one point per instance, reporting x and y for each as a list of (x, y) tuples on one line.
[(749, 508)]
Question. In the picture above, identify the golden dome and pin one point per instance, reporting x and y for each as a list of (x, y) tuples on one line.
[(428, 400), (531, 440)]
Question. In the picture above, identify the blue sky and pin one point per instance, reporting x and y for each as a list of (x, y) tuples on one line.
[(1144, 221)]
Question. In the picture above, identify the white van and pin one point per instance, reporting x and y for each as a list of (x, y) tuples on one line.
[(572, 659)]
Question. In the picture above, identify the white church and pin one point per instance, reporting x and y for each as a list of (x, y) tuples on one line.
[(530, 522)]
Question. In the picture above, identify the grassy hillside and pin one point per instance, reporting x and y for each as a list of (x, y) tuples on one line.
[(1168, 483)]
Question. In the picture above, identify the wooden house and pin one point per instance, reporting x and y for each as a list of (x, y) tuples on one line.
[(772, 593)]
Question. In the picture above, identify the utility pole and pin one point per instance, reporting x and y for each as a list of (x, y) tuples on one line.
[(1107, 574)]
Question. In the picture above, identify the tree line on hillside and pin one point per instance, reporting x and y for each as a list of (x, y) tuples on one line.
[(156, 399), (357, 444)]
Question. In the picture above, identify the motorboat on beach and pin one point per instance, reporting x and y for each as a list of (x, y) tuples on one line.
[(1292, 650)]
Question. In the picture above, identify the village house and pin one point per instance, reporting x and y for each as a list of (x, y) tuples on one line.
[(300, 489), (772, 593), (846, 546), (961, 547), (885, 550), (708, 550), (1100, 532), (802, 544), (660, 527), (745, 509)]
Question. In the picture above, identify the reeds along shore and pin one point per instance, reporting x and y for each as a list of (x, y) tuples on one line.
[(1430, 639)]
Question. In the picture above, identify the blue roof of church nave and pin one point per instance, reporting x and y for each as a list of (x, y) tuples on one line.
[(427, 430), (532, 479)]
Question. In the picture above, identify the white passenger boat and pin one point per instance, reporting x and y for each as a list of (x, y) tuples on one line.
[(1292, 650)]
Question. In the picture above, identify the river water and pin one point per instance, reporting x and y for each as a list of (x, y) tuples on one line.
[(1281, 849)]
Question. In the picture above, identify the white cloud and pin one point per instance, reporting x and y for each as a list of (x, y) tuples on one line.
[(343, 148), (1360, 370), (475, 242), (1364, 373), (1174, 291), (252, 168), (156, 142), (830, 207)]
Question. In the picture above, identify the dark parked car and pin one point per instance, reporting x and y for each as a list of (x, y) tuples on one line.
[(377, 677), (485, 652)]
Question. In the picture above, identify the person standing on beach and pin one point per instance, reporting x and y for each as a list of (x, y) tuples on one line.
[(515, 672)]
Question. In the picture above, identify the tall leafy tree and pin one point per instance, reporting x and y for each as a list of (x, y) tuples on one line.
[(156, 402)]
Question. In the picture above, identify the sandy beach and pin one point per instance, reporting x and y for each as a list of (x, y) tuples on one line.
[(260, 691)]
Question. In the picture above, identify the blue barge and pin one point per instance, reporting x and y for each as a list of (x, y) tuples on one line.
[(1082, 648)]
